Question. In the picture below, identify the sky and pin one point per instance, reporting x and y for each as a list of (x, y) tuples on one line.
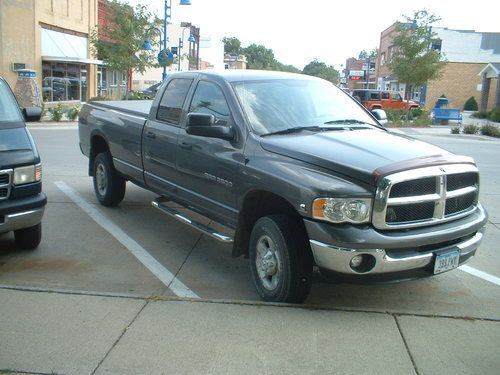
[(299, 31)]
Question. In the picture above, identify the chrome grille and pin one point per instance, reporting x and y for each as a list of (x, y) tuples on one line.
[(5, 176), (426, 196)]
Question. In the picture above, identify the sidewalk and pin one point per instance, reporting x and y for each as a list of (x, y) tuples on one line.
[(54, 333)]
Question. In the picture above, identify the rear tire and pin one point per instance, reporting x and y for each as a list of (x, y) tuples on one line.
[(280, 260), (109, 186), (29, 238)]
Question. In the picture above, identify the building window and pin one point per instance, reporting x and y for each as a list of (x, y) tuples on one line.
[(382, 59), (61, 81), (436, 44)]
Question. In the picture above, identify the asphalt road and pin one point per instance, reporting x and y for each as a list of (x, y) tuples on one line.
[(136, 251)]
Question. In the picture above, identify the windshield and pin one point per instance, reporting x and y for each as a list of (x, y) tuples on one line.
[(277, 105), (9, 109)]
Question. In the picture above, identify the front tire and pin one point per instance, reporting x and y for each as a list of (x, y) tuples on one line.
[(280, 260), (29, 238), (109, 186)]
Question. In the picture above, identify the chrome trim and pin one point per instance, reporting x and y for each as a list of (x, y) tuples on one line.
[(158, 203), (440, 173), (337, 259), (8, 185), (21, 220)]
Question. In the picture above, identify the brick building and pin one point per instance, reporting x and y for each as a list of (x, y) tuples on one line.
[(467, 54), (356, 74)]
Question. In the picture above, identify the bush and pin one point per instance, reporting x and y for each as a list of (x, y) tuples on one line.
[(72, 113), (490, 130), (470, 129), (98, 98), (135, 95), (395, 116), (56, 113), (416, 112), (424, 119), (495, 115), (455, 130), (480, 114), (471, 104)]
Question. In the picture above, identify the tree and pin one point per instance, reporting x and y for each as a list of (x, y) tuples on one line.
[(320, 69), (120, 42), (413, 61), (259, 57), (285, 68), (232, 45)]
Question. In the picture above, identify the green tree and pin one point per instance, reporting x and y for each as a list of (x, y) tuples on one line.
[(120, 43), (285, 68), (320, 69), (259, 57), (413, 61), (232, 45)]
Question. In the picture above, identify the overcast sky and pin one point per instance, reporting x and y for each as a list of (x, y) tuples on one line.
[(298, 31)]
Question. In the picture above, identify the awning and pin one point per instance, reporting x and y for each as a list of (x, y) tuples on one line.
[(76, 60), (492, 70)]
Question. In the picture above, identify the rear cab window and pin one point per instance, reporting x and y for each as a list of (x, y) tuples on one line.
[(172, 101)]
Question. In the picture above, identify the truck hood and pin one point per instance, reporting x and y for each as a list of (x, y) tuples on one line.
[(364, 154), (15, 148)]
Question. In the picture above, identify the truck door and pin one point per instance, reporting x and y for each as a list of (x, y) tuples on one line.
[(208, 167), (160, 138)]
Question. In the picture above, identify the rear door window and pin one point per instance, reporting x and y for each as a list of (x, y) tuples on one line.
[(170, 108)]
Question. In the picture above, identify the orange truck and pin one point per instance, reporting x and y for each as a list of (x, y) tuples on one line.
[(378, 99)]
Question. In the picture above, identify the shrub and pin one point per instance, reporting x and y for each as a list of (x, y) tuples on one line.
[(471, 104), (480, 114), (470, 129), (395, 116), (98, 98), (135, 95), (72, 113), (424, 119), (455, 130), (416, 112), (490, 130), (56, 113), (495, 115)]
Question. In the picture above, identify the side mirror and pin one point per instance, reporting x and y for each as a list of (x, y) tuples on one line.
[(32, 114), (380, 115), (203, 125)]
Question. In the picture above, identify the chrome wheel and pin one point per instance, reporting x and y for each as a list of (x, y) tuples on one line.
[(268, 263), (101, 179)]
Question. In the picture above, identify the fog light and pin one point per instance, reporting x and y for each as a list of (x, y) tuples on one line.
[(362, 263), (356, 261)]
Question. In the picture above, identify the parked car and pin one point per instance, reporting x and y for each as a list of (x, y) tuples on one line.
[(150, 92), (22, 201), (377, 99), (303, 173)]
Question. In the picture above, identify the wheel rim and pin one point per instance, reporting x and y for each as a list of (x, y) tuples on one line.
[(268, 263), (101, 179)]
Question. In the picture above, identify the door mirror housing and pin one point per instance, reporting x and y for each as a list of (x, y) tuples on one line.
[(203, 125), (380, 115), (32, 114)]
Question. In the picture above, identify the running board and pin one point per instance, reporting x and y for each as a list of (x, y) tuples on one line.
[(160, 204)]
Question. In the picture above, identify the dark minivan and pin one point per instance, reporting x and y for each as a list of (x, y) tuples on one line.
[(22, 202)]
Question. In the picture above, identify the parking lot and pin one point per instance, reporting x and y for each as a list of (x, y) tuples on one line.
[(163, 298)]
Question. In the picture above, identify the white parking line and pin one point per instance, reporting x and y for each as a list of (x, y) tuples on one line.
[(165, 276), (480, 274)]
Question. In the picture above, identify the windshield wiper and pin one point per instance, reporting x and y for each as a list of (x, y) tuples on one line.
[(293, 130), (347, 121)]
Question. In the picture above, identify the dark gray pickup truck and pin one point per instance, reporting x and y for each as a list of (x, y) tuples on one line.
[(303, 174)]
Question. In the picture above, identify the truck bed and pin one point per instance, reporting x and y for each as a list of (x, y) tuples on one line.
[(132, 107)]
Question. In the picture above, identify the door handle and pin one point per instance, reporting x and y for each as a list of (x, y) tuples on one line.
[(186, 146), (150, 135)]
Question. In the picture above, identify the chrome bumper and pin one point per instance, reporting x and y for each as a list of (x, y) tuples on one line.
[(338, 259), (21, 220)]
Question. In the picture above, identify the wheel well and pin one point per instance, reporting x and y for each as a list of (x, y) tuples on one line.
[(256, 205), (376, 107), (97, 145)]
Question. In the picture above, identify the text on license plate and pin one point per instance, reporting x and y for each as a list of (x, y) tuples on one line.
[(446, 261)]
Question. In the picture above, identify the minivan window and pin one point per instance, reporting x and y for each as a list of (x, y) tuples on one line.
[(9, 109)]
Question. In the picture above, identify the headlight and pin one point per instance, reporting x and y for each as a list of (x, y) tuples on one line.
[(341, 210), (25, 175)]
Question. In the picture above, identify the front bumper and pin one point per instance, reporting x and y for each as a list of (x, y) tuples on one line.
[(22, 213), (393, 252)]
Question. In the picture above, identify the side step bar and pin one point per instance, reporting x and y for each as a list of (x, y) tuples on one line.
[(160, 204)]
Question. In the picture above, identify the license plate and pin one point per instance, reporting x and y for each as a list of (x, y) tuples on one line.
[(447, 261)]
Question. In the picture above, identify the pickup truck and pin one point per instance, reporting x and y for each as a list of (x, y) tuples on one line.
[(22, 201), (301, 172)]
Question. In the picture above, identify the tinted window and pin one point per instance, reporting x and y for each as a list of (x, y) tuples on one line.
[(385, 95), (374, 95), (170, 107), (208, 98), (9, 109)]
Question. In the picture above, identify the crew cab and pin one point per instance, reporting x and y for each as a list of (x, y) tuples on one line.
[(22, 201), (303, 174), (378, 99)]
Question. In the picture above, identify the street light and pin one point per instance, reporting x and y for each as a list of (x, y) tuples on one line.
[(181, 44), (164, 56)]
